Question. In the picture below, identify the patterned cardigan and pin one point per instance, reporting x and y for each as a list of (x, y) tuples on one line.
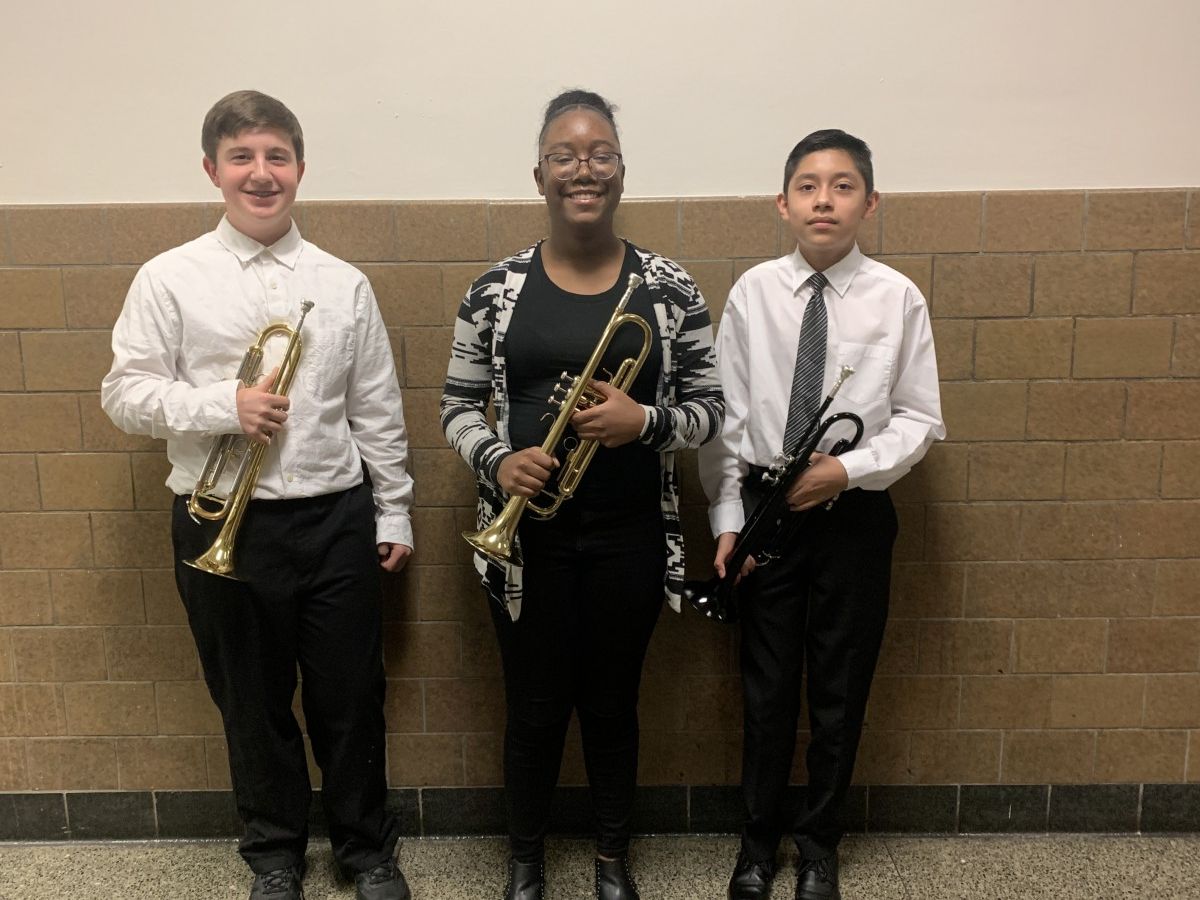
[(689, 406)]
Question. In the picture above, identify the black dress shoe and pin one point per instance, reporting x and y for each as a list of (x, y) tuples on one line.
[(818, 879), (751, 880), (526, 881), (279, 884), (382, 882), (613, 881)]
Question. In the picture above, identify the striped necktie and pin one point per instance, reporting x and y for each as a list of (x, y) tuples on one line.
[(810, 364)]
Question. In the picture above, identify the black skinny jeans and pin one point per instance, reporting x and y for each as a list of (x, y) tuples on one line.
[(593, 590)]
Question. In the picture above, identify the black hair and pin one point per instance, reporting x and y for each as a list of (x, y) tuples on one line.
[(832, 139), (577, 98)]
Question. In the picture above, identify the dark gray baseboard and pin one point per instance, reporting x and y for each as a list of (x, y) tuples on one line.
[(913, 809)]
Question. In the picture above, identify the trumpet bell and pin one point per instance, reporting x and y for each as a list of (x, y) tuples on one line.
[(712, 598), (496, 543), (217, 560)]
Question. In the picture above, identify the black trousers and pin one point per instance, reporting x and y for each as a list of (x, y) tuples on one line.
[(311, 598), (824, 603), (593, 590)]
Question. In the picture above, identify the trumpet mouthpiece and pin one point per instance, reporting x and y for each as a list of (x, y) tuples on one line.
[(635, 280)]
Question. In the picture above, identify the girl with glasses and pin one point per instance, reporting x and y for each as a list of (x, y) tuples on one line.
[(574, 618)]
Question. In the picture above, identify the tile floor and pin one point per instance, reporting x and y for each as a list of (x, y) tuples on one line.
[(876, 867)]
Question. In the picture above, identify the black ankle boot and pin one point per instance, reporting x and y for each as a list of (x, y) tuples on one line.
[(526, 881), (613, 881)]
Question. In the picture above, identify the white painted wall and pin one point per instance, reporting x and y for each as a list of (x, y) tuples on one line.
[(102, 101)]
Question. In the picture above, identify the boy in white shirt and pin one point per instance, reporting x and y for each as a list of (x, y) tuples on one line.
[(316, 533), (788, 328)]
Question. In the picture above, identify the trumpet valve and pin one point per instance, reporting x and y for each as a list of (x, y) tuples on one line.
[(558, 395), (590, 398)]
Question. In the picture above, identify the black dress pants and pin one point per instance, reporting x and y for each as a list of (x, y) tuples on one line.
[(592, 593), (311, 598), (825, 603)]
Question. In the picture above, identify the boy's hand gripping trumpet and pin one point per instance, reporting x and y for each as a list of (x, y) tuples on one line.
[(771, 528)]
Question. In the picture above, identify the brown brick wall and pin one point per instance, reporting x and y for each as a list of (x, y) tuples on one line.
[(1046, 605)]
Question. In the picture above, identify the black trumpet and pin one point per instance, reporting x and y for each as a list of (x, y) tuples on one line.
[(772, 527)]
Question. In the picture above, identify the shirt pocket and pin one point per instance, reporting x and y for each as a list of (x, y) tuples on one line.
[(873, 366), (325, 361)]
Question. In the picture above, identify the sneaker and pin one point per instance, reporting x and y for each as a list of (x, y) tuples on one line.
[(382, 882), (278, 884)]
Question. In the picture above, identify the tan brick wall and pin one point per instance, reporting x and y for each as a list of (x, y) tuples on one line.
[(1046, 605)]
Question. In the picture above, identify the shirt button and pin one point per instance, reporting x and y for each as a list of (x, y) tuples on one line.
[(291, 478), (274, 286)]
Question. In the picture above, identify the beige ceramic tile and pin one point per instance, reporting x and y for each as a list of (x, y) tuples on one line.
[(98, 597), (1061, 645), (408, 294), (1007, 471), (1135, 220), (980, 286), (132, 539), (94, 295), (85, 481), (513, 226), (443, 231), (932, 223), (1112, 470), (139, 232), (162, 763), (1097, 701), (977, 411), (19, 483), (110, 708), (58, 235), (1167, 283), (956, 531), (1085, 284), (1069, 531), (65, 360), (652, 224), (72, 764), (1079, 411), (1033, 221), (729, 227), (1023, 348), (353, 231), (1123, 348), (31, 298), (45, 540), (1163, 410)]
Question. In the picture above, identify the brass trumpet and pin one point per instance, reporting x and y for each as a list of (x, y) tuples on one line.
[(218, 560), (571, 394)]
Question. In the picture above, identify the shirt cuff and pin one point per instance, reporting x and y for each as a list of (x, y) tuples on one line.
[(394, 528), (729, 515), (218, 408), (858, 465)]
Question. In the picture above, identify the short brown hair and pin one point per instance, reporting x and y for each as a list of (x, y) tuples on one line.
[(244, 111)]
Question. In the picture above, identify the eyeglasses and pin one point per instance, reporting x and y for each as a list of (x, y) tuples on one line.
[(563, 166)]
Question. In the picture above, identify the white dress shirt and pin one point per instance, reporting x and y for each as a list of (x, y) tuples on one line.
[(877, 322), (188, 320)]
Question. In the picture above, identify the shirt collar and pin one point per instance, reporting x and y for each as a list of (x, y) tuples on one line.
[(839, 275), (286, 250)]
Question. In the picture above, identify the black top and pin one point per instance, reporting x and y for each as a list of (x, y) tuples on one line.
[(552, 331)]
